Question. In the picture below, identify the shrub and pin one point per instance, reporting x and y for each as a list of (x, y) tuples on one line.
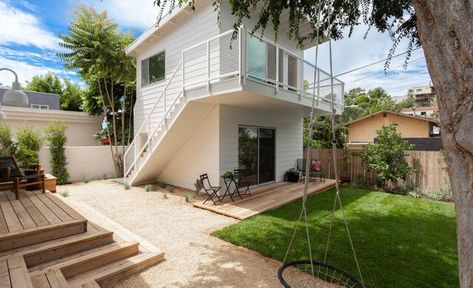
[(29, 142), (198, 185), (56, 138), (150, 188), (387, 157), (170, 189), (6, 143), (189, 197)]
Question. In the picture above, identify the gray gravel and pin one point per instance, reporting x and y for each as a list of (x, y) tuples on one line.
[(193, 257)]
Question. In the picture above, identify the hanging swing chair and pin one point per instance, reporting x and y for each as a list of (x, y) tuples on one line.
[(309, 272)]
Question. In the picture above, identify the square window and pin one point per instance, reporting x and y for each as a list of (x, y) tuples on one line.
[(153, 69)]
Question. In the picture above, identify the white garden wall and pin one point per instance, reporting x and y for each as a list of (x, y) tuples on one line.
[(85, 162), (81, 127)]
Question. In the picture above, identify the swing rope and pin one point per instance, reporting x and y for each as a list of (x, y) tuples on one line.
[(337, 176), (334, 159)]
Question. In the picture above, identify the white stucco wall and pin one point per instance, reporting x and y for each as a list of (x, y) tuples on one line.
[(198, 155), (289, 135), (85, 162), (80, 125)]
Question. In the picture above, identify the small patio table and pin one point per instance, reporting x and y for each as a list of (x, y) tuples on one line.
[(228, 181)]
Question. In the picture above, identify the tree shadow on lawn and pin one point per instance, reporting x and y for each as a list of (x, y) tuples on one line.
[(400, 241)]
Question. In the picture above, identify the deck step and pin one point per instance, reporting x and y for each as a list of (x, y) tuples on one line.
[(109, 274), (60, 248), (50, 279), (41, 234), (88, 260), (13, 273)]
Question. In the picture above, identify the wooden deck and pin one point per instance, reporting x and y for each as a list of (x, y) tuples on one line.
[(45, 243), (264, 198)]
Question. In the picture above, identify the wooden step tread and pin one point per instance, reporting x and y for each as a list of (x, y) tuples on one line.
[(13, 273), (115, 271), (45, 233), (34, 248), (88, 260), (62, 249), (50, 279)]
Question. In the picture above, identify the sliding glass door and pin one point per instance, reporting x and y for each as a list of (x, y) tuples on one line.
[(256, 153)]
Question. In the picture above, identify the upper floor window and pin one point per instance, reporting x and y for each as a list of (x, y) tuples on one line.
[(152, 69), (40, 106)]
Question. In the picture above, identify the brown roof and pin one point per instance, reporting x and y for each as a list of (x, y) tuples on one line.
[(399, 114)]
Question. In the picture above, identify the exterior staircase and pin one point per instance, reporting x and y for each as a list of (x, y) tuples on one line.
[(168, 106)]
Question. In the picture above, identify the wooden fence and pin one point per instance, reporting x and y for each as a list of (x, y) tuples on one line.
[(430, 171)]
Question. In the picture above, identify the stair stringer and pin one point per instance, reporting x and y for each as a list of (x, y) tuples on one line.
[(177, 134)]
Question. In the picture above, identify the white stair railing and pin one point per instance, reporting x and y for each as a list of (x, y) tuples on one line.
[(137, 149)]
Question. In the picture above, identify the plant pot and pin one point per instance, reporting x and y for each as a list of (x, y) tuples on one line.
[(292, 176)]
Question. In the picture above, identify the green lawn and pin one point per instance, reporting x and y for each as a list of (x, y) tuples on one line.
[(400, 241)]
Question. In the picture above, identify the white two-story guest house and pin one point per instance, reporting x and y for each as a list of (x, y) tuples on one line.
[(209, 104)]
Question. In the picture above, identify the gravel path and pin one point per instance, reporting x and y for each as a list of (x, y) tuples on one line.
[(193, 257)]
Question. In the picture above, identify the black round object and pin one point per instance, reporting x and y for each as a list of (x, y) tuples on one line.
[(323, 273)]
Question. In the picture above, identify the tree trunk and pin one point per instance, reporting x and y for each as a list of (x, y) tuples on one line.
[(446, 33)]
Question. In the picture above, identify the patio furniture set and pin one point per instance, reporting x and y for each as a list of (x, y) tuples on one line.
[(237, 180), (316, 172)]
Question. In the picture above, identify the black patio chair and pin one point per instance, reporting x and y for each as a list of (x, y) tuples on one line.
[(241, 181), (212, 191)]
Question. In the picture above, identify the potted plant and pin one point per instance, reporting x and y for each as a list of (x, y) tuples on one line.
[(292, 175), (227, 175)]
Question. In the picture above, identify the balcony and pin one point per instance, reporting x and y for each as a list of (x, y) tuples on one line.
[(259, 66)]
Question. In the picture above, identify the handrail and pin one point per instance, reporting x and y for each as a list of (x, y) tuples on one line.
[(147, 120), (150, 136), (159, 98)]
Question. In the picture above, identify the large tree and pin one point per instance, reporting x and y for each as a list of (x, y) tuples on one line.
[(96, 48), (444, 29)]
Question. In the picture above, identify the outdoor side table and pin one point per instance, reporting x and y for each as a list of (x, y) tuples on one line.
[(228, 183)]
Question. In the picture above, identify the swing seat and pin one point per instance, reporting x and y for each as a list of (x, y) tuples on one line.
[(299, 274)]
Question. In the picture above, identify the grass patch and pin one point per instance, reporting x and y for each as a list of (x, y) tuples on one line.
[(400, 241)]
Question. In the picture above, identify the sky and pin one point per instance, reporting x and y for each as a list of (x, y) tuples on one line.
[(29, 42)]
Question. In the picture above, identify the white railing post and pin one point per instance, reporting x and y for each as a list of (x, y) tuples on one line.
[(277, 69), (183, 75), (208, 65), (240, 31)]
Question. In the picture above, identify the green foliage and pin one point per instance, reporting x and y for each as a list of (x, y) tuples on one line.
[(64, 193), (56, 138), (228, 174), (151, 188), (393, 236), (71, 97), (47, 83), (6, 142), (198, 185), (70, 94), (387, 156), (189, 197), (29, 142), (95, 47)]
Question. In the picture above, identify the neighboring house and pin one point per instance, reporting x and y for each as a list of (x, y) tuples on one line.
[(427, 111), (424, 95), (419, 131), (207, 104), (38, 100)]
